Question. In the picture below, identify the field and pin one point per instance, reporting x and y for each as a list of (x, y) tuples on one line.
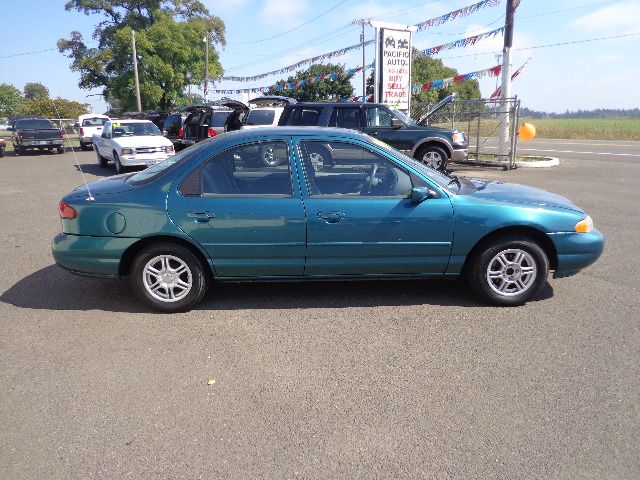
[(587, 128)]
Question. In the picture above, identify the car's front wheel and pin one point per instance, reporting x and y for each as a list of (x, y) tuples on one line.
[(102, 162), (169, 278), (117, 164), (432, 156), (509, 271)]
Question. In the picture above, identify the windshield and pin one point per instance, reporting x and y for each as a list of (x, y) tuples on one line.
[(129, 129), (36, 124), (163, 167), (442, 179), (404, 117)]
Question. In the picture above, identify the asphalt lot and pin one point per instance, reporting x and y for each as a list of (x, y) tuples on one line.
[(406, 379)]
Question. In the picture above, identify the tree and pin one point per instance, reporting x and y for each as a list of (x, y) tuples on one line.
[(318, 90), (426, 69), (35, 90), (169, 44), (10, 100), (53, 108)]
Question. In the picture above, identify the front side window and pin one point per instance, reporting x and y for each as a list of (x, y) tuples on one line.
[(379, 117), (344, 169), (253, 169)]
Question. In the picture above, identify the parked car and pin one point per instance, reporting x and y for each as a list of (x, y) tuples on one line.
[(3, 145), (131, 143), (209, 213), (265, 111), (30, 133), (214, 118), (432, 146), (173, 127), (90, 125)]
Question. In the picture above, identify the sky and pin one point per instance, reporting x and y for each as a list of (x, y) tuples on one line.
[(568, 68)]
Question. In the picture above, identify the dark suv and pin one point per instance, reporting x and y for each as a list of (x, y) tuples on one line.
[(432, 146)]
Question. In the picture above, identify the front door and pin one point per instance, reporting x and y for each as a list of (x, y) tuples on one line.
[(244, 211), (360, 219)]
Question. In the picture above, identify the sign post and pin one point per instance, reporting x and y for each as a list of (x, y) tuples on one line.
[(392, 81)]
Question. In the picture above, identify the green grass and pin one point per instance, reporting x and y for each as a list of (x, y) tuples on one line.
[(587, 128)]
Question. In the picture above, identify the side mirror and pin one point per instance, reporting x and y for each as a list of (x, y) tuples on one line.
[(420, 194), (396, 124)]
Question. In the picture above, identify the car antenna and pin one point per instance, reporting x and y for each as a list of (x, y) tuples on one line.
[(84, 179)]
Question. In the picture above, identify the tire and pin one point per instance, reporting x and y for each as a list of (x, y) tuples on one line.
[(83, 146), (1, 152), (116, 162), (102, 162), (60, 149), (432, 156), (509, 271), (20, 150), (185, 277)]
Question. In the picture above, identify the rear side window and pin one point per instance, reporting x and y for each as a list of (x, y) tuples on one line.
[(348, 117), (261, 117), (304, 116)]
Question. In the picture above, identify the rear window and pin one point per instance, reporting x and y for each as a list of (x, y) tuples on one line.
[(218, 119), (261, 117), (35, 124), (94, 122), (304, 116)]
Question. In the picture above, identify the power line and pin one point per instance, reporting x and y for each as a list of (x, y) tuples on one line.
[(293, 29), (29, 53)]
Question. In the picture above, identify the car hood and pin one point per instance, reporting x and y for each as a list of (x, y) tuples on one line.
[(143, 141), (514, 193), (105, 186)]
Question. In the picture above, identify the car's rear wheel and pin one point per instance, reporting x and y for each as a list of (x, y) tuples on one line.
[(432, 156), (169, 278), (60, 149), (83, 146), (509, 271)]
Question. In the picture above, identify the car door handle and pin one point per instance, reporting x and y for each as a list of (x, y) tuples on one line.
[(373, 134), (331, 217), (201, 217)]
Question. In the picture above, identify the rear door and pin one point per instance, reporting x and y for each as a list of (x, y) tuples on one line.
[(247, 215)]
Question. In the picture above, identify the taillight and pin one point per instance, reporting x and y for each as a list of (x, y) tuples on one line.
[(181, 132), (66, 211), (81, 132), (211, 132), (61, 133)]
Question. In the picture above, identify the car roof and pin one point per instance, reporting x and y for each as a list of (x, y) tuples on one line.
[(340, 104), (130, 120), (298, 131), (91, 115)]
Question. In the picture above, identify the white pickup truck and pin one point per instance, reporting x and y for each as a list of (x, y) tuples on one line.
[(89, 125), (131, 143)]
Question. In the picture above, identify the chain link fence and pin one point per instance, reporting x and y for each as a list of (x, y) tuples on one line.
[(481, 121)]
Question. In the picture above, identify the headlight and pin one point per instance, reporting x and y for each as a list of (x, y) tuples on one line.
[(585, 225), (458, 137), (127, 151), (168, 149)]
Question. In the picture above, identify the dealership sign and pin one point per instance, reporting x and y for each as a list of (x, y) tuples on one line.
[(393, 64)]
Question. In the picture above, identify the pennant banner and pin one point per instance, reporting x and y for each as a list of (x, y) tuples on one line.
[(296, 84), (463, 42), (290, 68), (425, 87), (498, 93), (463, 12)]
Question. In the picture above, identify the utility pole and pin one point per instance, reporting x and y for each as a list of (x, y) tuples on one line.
[(363, 22), (135, 69), (503, 141), (206, 68)]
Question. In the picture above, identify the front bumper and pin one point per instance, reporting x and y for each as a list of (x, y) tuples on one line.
[(576, 251), (93, 256), (141, 159), (460, 155)]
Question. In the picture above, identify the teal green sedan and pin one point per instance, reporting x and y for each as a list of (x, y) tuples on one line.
[(315, 203)]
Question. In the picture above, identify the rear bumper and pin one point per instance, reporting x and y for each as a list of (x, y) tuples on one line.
[(576, 251), (92, 256), (42, 143)]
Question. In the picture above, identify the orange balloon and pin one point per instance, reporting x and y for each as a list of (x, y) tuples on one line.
[(526, 132)]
